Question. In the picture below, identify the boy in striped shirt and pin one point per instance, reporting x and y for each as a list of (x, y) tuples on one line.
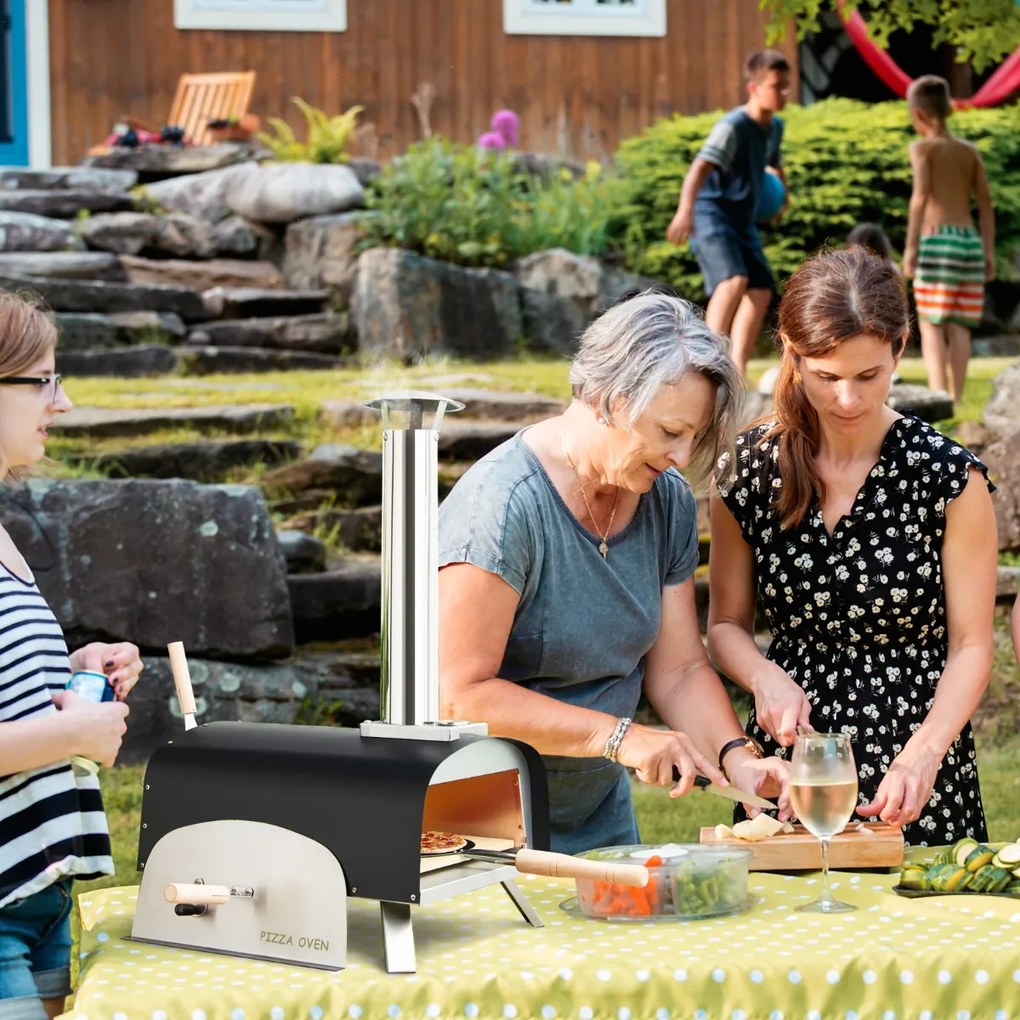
[(948, 259)]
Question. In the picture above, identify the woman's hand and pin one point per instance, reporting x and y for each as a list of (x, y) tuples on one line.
[(767, 777), (654, 753), (94, 731), (780, 705), (120, 662), (906, 788)]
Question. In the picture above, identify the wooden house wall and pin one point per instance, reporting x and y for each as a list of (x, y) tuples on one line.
[(576, 96)]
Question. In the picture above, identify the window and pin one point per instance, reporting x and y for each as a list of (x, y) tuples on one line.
[(263, 15), (584, 17)]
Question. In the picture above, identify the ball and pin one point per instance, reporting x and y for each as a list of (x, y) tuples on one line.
[(771, 196)]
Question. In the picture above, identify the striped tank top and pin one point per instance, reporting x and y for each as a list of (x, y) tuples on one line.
[(52, 823)]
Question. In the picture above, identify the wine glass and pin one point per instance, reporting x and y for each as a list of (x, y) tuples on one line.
[(823, 792)]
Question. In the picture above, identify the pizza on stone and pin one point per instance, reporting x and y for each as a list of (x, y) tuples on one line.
[(434, 842)]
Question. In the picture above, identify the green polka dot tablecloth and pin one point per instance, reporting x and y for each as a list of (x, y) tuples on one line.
[(940, 958)]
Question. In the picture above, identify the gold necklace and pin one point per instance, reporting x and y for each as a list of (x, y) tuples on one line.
[(604, 543)]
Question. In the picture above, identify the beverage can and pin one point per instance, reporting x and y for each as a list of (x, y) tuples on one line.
[(91, 685)]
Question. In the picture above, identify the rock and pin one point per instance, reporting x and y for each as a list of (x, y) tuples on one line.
[(303, 554), (358, 529), (202, 195), (1001, 412), (284, 192), (928, 405), (131, 233), (204, 274), (121, 362), (90, 331), (71, 265), (88, 296), (504, 406), (339, 603), (27, 232), (154, 162), (236, 418), (241, 302), (364, 169), (205, 461), (236, 236), (355, 475), (322, 251), (63, 205), (1004, 345), (326, 334), (469, 440), (68, 177), (1002, 456), (343, 414), (407, 307), (210, 360), (157, 561)]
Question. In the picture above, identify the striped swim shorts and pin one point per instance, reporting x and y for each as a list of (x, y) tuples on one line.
[(949, 285)]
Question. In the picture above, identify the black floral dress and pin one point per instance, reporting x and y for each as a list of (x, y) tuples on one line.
[(858, 618)]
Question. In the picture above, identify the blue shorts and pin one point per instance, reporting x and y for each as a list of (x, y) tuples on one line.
[(35, 952), (726, 253)]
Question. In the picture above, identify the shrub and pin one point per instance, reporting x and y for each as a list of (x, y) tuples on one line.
[(477, 207), (845, 162), (328, 137)]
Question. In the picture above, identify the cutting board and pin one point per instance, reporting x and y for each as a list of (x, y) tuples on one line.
[(881, 846)]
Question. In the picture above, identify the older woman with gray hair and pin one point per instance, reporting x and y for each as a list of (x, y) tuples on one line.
[(566, 584)]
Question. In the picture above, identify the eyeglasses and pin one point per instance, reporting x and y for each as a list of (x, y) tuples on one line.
[(47, 384)]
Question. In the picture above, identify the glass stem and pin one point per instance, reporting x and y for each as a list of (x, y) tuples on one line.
[(826, 896)]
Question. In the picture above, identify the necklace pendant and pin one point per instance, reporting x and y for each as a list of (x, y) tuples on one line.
[(603, 548)]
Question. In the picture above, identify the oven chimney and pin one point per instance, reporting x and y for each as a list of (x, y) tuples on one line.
[(409, 628)]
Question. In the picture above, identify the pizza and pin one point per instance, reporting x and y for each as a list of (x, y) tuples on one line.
[(434, 842)]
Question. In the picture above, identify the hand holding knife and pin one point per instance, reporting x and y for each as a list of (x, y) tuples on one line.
[(729, 792)]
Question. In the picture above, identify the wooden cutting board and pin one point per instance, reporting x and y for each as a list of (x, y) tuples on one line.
[(881, 846)]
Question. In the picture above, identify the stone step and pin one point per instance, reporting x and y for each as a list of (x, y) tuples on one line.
[(237, 418), (20, 231), (207, 461), (121, 362), (323, 333), (70, 265), (68, 177), (522, 408), (64, 204), (90, 331), (155, 162), (210, 360), (202, 274), (337, 604), (256, 302), (89, 296), (469, 440)]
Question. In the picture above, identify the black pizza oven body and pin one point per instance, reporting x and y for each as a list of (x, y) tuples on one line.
[(363, 798)]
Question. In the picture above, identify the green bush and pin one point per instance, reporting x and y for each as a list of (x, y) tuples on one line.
[(477, 207), (845, 162), (327, 141)]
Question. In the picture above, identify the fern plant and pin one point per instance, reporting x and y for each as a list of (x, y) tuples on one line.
[(327, 136)]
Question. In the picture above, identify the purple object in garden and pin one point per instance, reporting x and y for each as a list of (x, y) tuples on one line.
[(507, 125), (491, 140)]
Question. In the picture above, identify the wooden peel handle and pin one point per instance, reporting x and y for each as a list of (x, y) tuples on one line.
[(182, 678), (186, 892), (542, 862)]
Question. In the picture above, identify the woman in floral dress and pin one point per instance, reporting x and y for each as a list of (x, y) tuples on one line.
[(869, 539)]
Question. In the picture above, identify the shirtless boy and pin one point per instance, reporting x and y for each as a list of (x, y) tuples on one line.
[(948, 259)]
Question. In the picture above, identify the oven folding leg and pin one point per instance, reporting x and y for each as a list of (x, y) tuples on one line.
[(398, 937), (520, 901)]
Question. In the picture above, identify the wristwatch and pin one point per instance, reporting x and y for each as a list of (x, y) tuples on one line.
[(750, 743)]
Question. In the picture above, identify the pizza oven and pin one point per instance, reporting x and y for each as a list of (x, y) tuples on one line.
[(253, 836)]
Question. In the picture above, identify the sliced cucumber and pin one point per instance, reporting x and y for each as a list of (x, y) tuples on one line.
[(979, 857), (1008, 856), (961, 848)]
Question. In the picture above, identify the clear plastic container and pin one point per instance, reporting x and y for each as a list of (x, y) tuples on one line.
[(688, 882)]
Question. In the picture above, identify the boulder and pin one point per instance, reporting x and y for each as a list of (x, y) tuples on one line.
[(157, 561), (928, 405), (304, 554), (1001, 414), (407, 307), (20, 231), (322, 251), (202, 195), (284, 192)]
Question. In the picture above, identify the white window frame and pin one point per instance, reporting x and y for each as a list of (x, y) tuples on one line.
[(262, 15), (584, 17)]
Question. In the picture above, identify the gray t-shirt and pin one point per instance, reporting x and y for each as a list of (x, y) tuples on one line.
[(583, 624)]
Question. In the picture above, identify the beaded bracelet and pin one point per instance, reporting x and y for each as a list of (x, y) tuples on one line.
[(616, 738)]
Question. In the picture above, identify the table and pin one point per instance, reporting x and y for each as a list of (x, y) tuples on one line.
[(893, 959)]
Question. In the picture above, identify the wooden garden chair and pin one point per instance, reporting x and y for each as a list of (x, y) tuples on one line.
[(204, 97)]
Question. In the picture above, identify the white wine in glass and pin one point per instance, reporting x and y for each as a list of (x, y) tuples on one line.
[(823, 792)]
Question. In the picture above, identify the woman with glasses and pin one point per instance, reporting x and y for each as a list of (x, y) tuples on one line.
[(52, 825)]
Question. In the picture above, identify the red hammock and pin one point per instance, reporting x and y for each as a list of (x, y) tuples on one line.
[(998, 88)]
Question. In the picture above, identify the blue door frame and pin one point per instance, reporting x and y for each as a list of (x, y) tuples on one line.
[(13, 84)]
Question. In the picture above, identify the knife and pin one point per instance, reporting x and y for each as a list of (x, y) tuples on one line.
[(729, 792)]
